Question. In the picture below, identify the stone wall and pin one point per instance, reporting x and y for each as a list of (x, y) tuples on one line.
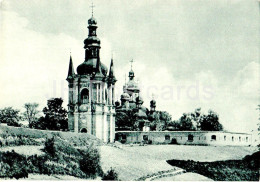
[(185, 137)]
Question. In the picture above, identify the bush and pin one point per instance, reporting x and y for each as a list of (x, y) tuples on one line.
[(49, 146), (90, 163), (13, 165), (111, 175)]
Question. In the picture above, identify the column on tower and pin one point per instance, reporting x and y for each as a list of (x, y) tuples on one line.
[(97, 93)]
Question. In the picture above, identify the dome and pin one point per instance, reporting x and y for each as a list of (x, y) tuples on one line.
[(92, 21), (87, 67), (125, 96), (117, 103), (153, 102), (91, 40), (132, 85)]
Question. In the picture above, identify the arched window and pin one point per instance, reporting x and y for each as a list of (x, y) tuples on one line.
[(84, 96), (167, 137), (145, 137), (213, 137), (83, 130), (190, 137)]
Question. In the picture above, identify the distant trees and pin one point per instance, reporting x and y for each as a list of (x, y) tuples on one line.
[(162, 120), (55, 116), (10, 116), (196, 121), (210, 122), (125, 120), (159, 120), (185, 123), (31, 113)]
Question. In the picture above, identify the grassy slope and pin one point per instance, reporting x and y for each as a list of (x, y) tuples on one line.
[(196, 153), (77, 139), (38, 162), (137, 161), (230, 170)]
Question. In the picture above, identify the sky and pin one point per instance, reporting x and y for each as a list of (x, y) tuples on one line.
[(187, 54)]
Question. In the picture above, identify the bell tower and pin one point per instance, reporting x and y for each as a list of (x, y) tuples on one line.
[(91, 91)]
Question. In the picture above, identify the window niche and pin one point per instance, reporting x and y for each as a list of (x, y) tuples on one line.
[(84, 96), (190, 138)]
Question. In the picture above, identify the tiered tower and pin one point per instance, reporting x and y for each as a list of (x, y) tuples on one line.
[(91, 92)]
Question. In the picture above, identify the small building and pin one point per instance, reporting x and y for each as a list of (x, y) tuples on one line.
[(215, 138)]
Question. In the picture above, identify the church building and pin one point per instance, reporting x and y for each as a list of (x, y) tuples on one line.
[(91, 105)]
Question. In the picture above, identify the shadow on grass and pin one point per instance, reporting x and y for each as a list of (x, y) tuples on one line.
[(246, 169)]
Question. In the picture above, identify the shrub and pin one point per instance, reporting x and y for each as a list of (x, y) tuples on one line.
[(111, 175), (13, 165), (49, 146), (90, 163)]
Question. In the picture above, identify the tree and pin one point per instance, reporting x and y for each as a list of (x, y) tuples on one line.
[(111, 175), (55, 116), (173, 125), (196, 118), (211, 122), (10, 116), (186, 123), (31, 113), (159, 120), (126, 120)]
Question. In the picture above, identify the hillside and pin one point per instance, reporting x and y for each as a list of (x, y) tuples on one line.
[(36, 154), (24, 136), (142, 162), (131, 162)]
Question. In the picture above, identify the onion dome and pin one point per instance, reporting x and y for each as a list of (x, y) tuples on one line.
[(91, 41), (132, 85), (125, 96), (152, 105), (153, 102), (92, 21), (117, 103), (88, 67)]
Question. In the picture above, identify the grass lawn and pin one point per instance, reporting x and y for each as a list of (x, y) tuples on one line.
[(137, 161), (230, 170), (191, 152)]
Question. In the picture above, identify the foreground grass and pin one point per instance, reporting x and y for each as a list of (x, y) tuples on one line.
[(59, 158), (246, 169)]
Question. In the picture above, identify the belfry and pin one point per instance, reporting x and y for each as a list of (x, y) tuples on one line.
[(91, 91)]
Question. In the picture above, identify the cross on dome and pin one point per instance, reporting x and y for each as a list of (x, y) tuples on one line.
[(92, 7), (131, 63)]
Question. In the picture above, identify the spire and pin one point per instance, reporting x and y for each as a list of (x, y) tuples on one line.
[(111, 70), (71, 72), (131, 72), (111, 76)]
